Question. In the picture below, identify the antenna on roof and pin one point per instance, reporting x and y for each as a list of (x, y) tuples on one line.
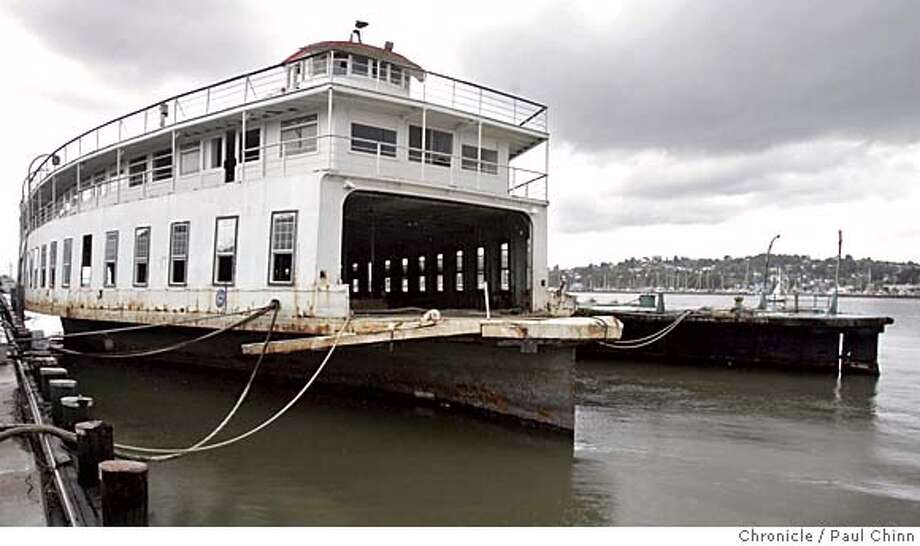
[(356, 33)]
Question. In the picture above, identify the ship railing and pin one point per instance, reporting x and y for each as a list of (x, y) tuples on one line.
[(270, 82), (307, 154)]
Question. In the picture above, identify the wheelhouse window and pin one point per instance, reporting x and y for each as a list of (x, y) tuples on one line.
[(298, 136), (318, 65), (190, 158), (111, 258), (137, 171), (396, 75), (252, 144), (86, 260), (66, 262), (141, 255), (488, 165), (283, 237), (439, 146), (225, 250), (162, 165), (359, 65), (52, 264), (340, 63), (178, 253), (44, 255), (367, 139)]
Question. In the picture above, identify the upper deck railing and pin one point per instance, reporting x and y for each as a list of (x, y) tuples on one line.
[(254, 87)]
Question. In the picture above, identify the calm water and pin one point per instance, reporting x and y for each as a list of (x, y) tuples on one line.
[(655, 444)]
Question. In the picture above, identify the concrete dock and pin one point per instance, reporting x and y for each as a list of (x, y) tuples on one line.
[(20, 480)]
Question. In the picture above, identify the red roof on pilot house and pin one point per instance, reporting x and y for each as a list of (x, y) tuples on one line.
[(355, 48)]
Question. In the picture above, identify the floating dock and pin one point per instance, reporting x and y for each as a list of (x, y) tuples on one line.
[(744, 337)]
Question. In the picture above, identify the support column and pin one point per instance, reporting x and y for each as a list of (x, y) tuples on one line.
[(242, 148)]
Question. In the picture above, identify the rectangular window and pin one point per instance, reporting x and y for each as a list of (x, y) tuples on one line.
[(225, 250), (458, 284), (190, 158), (355, 282), (52, 264), (421, 274), (359, 65), (252, 144), (365, 138), (111, 258), (489, 163), (440, 270), (217, 153), (480, 268), (44, 275), (370, 277), (505, 267), (395, 75), (386, 276), (141, 255), (298, 136), (178, 253), (318, 64), (283, 239), (67, 263), (340, 64), (405, 275), (439, 146), (162, 165), (137, 171)]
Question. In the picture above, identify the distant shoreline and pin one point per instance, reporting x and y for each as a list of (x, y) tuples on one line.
[(728, 293)]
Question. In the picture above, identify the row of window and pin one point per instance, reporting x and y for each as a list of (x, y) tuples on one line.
[(438, 147), (421, 273), (344, 64), (281, 255)]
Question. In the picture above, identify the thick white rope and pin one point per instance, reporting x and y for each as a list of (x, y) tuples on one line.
[(227, 418), (270, 420)]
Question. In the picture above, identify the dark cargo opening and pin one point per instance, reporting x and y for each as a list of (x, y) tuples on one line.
[(402, 251)]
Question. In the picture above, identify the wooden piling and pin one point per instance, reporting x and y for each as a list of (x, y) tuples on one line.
[(124, 493), (75, 409), (95, 444), (57, 389), (47, 373)]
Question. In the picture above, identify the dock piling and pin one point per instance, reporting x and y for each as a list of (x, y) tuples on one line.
[(95, 444), (74, 409), (124, 493), (57, 389), (46, 374)]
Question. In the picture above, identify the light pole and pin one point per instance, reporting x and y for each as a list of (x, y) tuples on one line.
[(766, 272)]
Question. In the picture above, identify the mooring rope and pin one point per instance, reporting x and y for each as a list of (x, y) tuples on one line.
[(239, 402), (645, 341), (176, 346), (267, 422)]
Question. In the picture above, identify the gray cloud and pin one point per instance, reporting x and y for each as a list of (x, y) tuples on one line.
[(712, 76), (144, 43)]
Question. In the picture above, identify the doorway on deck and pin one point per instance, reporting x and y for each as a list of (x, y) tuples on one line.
[(230, 156)]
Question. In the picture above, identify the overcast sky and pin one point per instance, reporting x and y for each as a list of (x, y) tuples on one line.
[(696, 128)]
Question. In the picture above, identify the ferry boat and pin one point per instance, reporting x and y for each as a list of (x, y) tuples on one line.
[(346, 180)]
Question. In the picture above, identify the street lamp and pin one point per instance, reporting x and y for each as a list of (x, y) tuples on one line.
[(766, 271)]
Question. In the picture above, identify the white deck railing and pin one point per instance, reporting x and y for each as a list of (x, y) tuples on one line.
[(252, 88), (325, 153)]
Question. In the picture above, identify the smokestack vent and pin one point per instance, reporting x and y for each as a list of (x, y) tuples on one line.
[(388, 46)]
